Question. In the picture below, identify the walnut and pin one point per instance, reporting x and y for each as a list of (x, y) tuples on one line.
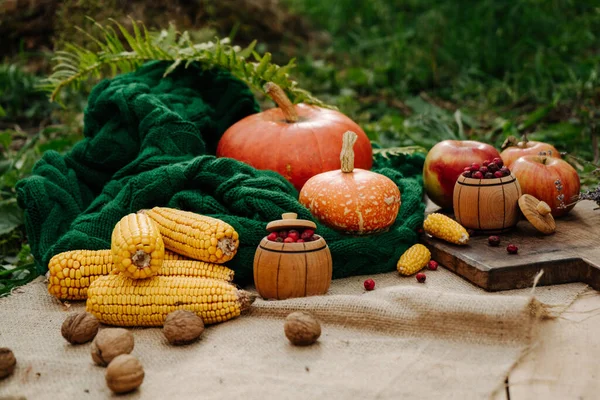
[(7, 362), (80, 328), (301, 328), (110, 343), (124, 374), (182, 327)]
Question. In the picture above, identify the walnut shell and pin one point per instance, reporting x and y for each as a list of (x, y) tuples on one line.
[(7, 362), (182, 327), (301, 328), (124, 374), (80, 328), (110, 343)]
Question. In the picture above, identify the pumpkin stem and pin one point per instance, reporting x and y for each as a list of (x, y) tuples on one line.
[(347, 155), (283, 102)]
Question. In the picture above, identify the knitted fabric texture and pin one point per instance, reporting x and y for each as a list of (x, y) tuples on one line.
[(150, 141)]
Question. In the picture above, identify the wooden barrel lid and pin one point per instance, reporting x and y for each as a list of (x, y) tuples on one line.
[(538, 213), (288, 221)]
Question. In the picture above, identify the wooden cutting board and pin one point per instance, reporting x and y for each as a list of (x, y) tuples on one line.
[(571, 254)]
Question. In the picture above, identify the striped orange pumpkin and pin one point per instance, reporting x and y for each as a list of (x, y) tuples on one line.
[(354, 201)]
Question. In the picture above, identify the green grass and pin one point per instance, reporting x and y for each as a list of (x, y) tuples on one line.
[(410, 72)]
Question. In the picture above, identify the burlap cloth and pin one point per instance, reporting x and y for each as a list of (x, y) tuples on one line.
[(444, 339)]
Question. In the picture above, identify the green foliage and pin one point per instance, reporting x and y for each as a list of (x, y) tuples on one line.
[(19, 98), (76, 64)]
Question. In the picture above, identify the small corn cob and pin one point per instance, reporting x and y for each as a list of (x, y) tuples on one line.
[(413, 260), (117, 300), (137, 246), (444, 227), (71, 272), (194, 235)]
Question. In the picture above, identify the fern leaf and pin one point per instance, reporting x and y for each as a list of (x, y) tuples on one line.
[(75, 64)]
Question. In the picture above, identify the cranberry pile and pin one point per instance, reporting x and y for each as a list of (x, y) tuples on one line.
[(487, 170), (293, 236)]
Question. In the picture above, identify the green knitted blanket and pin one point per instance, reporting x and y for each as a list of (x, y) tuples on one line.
[(150, 141)]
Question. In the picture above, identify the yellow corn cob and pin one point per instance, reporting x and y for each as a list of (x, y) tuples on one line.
[(196, 268), (71, 272), (117, 300), (444, 227), (194, 235), (169, 255), (137, 246), (413, 260)]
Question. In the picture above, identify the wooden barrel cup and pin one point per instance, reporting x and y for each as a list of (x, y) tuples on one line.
[(285, 270), (487, 205)]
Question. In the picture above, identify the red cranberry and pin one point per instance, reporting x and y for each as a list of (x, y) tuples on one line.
[(432, 265), (466, 174), (489, 175), (494, 241), (307, 233), (512, 249), (283, 234), (475, 167), (485, 163), (467, 169), (498, 174), (421, 277), (288, 240), (492, 167), (279, 240), (300, 241), (483, 170), (505, 171), (272, 236), (369, 284), (498, 162), (294, 235), (477, 175)]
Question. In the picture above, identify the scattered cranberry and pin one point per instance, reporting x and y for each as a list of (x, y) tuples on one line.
[(489, 175), (498, 174), (492, 167), (283, 234), (272, 236), (498, 162), (288, 240), (369, 284), (512, 249), (432, 265), (494, 241), (421, 277), (475, 167), (486, 163), (477, 175), (307, 233)]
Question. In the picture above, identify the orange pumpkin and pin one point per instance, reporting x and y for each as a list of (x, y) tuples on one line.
[(298, 141), (352, 200)]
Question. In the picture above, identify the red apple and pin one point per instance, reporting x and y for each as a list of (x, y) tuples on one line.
[(446, 161), (549, 179), (530, 148)]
